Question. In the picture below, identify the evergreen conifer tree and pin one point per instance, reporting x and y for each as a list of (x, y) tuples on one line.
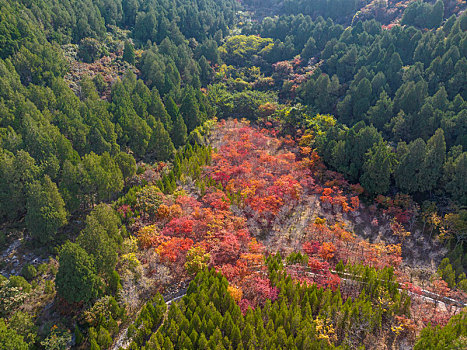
[(46, 211), (179, 132), (160, 145), (129, 52)]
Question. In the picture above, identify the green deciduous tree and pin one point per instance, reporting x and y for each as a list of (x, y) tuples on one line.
[(46, 211), (126, 164), (76, 280), (9, 339), (100, 247), (90, 49)]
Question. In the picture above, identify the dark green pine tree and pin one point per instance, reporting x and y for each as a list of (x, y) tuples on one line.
[(184, 341), (248, 336), (408, 171), (380, 114), (46, 211), (129, 52), (172, 109), (16, 173), (240, 347), (76, 280), (126, 163), (193, 337), (195, 322), (393, 71), (309, 49), (160, 145), (235, 336), (436, 15), (206, 71), (196, 82), (215, 339), (455, 173), (433, 163), (377, 169), (447, 273), (202, 342), (168, 345), (179, 131), (158, 110), (361, 98), (99, 245), (189, 110), (322, 98), (172, 329)]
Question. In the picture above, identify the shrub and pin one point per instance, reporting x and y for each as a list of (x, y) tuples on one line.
[(42, 268), (29, 272), (49, 287), (78, 335), (20, 282), (103, 338), (90, 50)]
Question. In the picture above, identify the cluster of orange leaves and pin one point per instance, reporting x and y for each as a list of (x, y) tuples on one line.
[(184, 222), (334, 196), (172, 249), (327, 250), (251, 165), (235, 292), (338, 243)]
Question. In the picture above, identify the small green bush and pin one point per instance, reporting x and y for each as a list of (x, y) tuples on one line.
[(29, 272), (53, 269), (94, 345), (20, 282), (78, 335), (42, 268), (49, 287), (103, 338)]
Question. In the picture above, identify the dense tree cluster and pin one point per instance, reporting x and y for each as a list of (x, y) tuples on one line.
[(88, 265), (402, 85), (340, 10), (299, 317), (453, 335), (60, 152), (130, 168)]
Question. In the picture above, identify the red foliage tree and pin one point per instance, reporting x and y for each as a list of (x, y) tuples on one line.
[(311, 248), (173, 249)]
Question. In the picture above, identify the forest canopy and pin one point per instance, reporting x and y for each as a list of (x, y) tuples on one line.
[(222, 174)]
